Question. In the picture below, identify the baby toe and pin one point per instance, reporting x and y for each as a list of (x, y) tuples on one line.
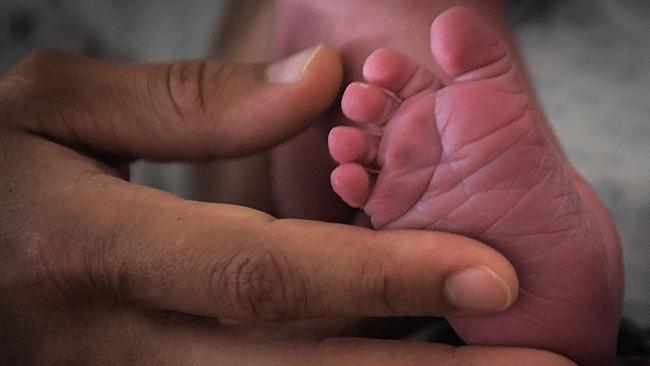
[(394, 71), (352, 183), (368, 104), (466, 46), (351, 145)]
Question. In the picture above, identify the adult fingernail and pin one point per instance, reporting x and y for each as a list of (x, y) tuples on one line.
[(292, 69), (477, 289)]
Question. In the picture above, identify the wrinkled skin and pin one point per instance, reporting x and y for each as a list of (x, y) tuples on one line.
[(467, 152), (95, 270)]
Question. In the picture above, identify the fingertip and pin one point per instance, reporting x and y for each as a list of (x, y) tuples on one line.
[(497, 274), (320, 84), (477, 278), (268, 109), (477, 289), (508, 356), (316, 71), (326, 70)]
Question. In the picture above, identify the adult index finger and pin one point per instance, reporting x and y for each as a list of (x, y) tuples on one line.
[(188, 110), (151, 248)]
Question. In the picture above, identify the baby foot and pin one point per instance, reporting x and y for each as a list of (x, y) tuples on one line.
[(468, 156)]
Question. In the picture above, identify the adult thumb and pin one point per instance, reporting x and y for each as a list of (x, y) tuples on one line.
[(184, 110)]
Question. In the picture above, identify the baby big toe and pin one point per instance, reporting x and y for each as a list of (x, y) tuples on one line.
[(467, 46)]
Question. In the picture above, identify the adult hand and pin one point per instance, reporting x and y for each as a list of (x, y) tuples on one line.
[(95, 270)]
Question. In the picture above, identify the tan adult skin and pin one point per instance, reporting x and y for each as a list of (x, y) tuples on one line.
[(96, 270)]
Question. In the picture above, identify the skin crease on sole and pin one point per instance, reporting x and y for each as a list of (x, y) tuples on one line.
[(468, 155)]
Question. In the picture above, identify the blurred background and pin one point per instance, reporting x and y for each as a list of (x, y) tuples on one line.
[(590, 60)]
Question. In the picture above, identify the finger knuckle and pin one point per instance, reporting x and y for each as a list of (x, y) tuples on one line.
[(34, 81), (186, 87), (41, 68), (201, 93), (43, 59), (78, 258), (40, 260), (25, 244), (384, 285), (23, 256), (256, 284)]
